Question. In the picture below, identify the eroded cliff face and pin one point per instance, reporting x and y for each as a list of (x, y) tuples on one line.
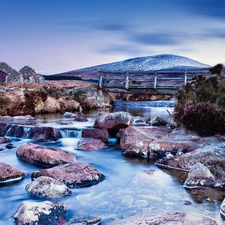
[(61, 96), (20, 101), (56, 97)]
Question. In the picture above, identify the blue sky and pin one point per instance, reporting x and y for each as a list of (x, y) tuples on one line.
[(55, 36)]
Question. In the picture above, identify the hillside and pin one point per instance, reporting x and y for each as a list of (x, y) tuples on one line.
[(148, 63)]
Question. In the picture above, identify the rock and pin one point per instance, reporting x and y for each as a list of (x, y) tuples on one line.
[(135, 140), (30, 77), (44, 134), (165, 218), (9, 174), (65, 123), (113, 121), (87, 220), (44, 156), (17, 131), (68, 115), (80, 117), (222, 209), (44, 213), (101, 134), (9, 75), (90, 144), (3, 129), (9, 146), (199, 176), (160, 148), (47, 187), (4, 140), (156, 121), (73, 174), (212, 156)]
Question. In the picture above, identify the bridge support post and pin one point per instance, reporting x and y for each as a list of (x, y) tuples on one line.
[(185, 78), (127, 81), (155, 80), (100, 81)]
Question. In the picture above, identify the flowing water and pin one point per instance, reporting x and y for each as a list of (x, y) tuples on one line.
[(127, 189)]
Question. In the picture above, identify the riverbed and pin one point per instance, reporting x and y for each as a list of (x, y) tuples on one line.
[(127, 190)]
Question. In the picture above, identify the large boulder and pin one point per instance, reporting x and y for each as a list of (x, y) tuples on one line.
[(199, 176), (73, 174), (135, 140), (9, 174), (160, 148), (87, 144), (165, 218), (113, 121), (44, 133), (47, 187), (44, 156), (101, 134), (44, 213)]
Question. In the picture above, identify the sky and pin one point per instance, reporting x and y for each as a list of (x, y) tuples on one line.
[(54, 36)]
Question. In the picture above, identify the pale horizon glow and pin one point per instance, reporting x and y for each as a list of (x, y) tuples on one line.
[(54, 36)]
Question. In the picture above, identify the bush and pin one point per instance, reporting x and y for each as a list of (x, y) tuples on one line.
[(201, 107)]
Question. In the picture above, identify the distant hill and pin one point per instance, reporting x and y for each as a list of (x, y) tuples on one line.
[(148, 63)]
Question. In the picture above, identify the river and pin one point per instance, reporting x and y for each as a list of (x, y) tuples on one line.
[(127, 189)]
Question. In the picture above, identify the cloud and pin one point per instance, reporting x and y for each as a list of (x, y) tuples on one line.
[(155, 38), (112, 26), (120, 49), (207, 8)]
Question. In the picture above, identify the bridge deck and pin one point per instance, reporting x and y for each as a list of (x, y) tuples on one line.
[(153, 81)]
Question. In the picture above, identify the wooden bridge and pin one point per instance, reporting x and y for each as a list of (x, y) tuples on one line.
[(152, 82)]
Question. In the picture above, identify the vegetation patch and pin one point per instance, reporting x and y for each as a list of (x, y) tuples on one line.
[(201, 104)]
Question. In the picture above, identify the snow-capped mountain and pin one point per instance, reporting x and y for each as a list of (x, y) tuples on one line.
[(149, 63), (140, 64)]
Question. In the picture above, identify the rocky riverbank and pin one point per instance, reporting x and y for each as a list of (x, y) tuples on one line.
[(200, 159)]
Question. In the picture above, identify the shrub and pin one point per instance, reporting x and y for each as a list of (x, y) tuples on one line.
[(201, 107)]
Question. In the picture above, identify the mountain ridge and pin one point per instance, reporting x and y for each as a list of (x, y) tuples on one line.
[(138, 64)]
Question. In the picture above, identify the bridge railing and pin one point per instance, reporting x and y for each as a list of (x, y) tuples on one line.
[(149, 79)]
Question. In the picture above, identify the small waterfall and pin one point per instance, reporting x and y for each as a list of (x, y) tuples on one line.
[(70, 133), (17, 131)]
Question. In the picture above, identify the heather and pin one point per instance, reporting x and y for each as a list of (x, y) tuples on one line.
[(201, 103)]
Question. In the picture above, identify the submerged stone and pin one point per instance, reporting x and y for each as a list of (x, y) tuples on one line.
[(165, 218)]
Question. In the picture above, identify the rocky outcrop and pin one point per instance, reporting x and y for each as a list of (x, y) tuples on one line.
[(101, 134), (165, 218), (74, 175), (8, 75), (9, 174), (114, 121), (212, 156), (47, 187), (88, 144), (43, 213), (43, 156), (30, 77)]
